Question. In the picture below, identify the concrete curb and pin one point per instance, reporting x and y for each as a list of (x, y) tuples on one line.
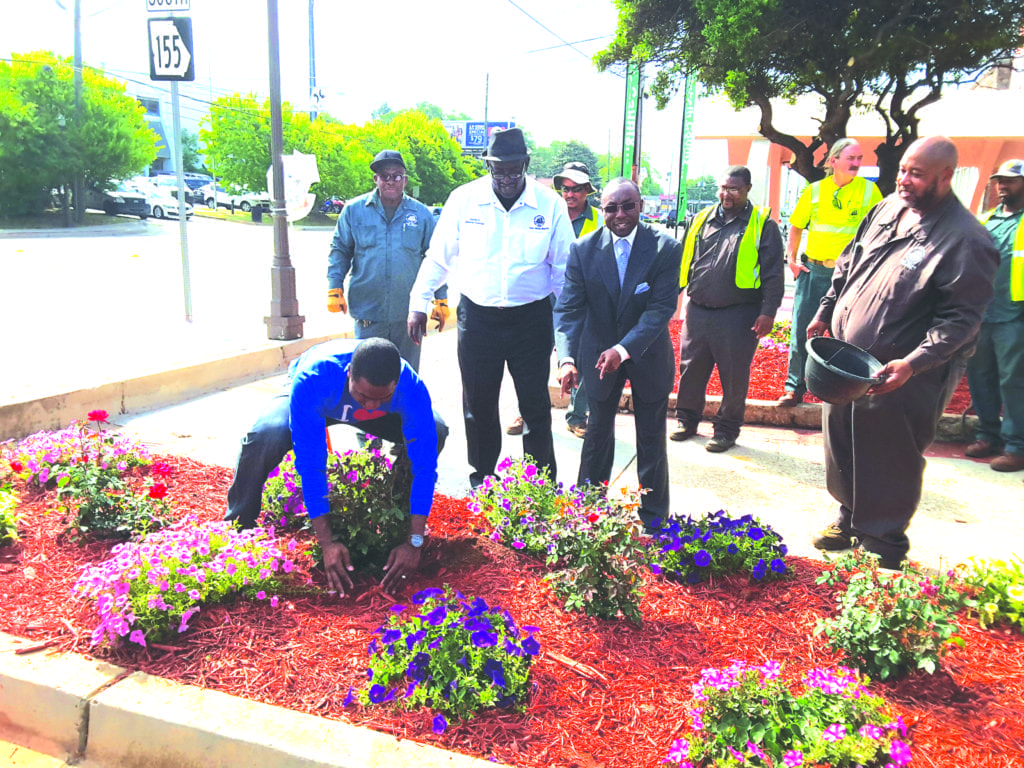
[(98, 714), (952, 428), (152, 390)]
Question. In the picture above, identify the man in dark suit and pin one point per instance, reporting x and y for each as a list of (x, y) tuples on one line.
[(621, 288)]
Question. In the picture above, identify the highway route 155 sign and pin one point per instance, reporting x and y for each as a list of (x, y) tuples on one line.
[(170, 49)]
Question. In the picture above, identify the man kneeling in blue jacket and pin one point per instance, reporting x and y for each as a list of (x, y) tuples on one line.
[(363, 383)]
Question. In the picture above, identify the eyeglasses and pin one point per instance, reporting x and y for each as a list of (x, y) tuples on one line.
[(613, 208), (510, 176), (836, 202), (391, 176)]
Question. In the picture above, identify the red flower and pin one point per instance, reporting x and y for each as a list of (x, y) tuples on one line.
[(17, 466), (593, 517), (157, 491), (161, 469), (98, 415)]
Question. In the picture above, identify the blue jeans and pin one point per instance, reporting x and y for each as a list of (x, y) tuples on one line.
[(995, 376), (810, 288), (576, 416), (270, 439)]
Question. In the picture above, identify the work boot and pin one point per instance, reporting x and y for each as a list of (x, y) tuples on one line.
[(979, 449), (720, 444), (1008, 462), (833, 539), (682, 432)]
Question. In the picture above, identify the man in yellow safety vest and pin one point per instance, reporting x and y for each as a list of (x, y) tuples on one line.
[(830, 210)]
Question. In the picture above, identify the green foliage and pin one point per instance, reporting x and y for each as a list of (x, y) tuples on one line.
[(691, 551), (191, 160), (368, 497), (890, 624), (748, 715), (100, 503), (590, 538), (452, 653), (854, 55), (146, 590), (45, 141), (9, 517), (549, 161), (1000, 586)]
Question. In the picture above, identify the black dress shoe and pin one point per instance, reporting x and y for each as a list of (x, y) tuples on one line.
[(719, 444), (682, 432)]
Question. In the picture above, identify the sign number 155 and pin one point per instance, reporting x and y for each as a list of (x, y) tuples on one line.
[(170, 49)]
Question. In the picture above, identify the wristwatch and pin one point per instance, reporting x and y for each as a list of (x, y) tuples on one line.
[(416, 540)]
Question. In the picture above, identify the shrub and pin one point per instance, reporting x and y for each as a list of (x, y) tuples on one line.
[(748, 716), (592, 540), (100, 504), (692, 551), (9, 517), (889, 624), (1000, 587), (454, 654), (148, 589)]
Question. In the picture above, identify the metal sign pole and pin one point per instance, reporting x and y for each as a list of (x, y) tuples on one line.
[(182, 229)]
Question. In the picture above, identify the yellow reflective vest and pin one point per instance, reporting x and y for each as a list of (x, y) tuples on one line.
[(1016, 260), (592, 220), (748, 268)]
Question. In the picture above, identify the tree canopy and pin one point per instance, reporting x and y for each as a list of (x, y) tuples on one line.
[(45, 142), (890, 57)]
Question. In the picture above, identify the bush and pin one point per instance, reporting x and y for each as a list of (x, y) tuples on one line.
[(1000, 587), (692, 551), (453, 654), (148, 587), (9, 517), (890, 624), (592, 539), (748, 716)]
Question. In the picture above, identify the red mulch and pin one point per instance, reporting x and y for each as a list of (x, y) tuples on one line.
[(305, 654), (768, 377)]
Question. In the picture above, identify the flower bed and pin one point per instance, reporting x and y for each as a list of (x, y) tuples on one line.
[(605, 692), (768, 374)]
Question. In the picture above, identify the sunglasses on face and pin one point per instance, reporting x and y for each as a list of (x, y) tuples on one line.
[(390, 176), (571, 188), (613, 208)]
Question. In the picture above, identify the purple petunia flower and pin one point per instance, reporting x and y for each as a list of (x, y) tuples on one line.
[(440, 724), (702, 558), (899, 752), (793, 759), (679, 750), (835, 732)]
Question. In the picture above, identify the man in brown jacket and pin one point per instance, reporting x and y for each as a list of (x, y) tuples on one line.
[(910, 289)]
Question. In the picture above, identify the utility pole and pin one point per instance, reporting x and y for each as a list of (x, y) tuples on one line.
[(312, 67), (77, 184), (487, 94), (284, 322)]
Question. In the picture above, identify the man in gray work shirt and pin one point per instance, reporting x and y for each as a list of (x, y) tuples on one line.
[(732, 272), (911, 289), (381, 238)]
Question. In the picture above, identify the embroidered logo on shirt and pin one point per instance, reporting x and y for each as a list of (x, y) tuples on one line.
[(539, 221), (411, 220), (914, 257), (474, 220)]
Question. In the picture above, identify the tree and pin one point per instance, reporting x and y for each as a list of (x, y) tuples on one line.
[(890, 57), (562, 152), (191, 162), (45, 141)]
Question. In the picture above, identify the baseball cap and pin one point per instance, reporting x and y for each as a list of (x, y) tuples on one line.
[(386, 156), (1011, 169)]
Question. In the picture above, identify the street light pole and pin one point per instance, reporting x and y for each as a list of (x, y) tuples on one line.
[(284, 322)]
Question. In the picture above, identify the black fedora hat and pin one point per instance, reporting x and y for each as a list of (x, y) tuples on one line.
[(506, 146)]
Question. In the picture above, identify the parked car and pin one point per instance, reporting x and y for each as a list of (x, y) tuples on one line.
[(169, 185), (239, 198), (122, 199), (164, 203)]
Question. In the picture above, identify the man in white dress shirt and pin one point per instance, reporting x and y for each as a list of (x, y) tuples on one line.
[(504, 241)]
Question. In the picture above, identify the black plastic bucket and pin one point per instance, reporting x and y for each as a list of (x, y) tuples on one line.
[(837, 372)]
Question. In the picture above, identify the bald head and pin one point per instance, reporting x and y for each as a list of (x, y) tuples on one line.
[(926, 173)]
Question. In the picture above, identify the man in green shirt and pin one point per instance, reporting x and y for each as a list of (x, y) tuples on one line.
[(996, 372)]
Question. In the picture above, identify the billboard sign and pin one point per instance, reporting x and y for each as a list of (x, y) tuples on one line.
[(474, 134)]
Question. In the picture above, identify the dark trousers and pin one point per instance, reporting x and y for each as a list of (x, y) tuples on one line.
[(996, 377), (716, 337), (810, 288), (874, 457), (489, 339), (651, 452), (270, 439)]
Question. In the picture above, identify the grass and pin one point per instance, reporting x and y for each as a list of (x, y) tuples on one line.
[(52, 219)]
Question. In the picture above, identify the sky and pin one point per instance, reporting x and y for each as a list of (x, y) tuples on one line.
[(526, 60)]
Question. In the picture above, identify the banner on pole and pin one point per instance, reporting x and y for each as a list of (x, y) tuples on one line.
[(629, 120), (686, 142)]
